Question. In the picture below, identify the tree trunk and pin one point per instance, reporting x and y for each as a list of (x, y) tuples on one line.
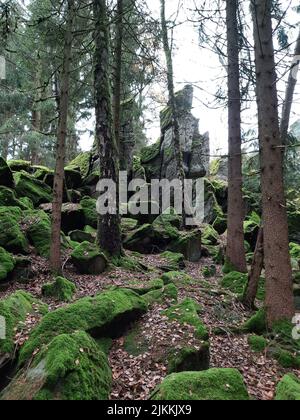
[(55, 257), (279, 292), (109, 234), (289, 96), (236, 254), (172, 102), (118, 73), (36, 113), (255, 273)]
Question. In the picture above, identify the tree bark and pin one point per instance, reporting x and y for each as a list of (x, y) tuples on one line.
[(236, 209), (172, 102), (289, 96), (118, 73), (279, 292), (55, 255), (36, 113), (255, 273), (109, 234)]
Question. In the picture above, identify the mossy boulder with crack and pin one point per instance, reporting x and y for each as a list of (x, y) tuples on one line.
[(82, 236), (6, 176), (28, 186), (105, 315), (89, 259), (237, 282), (7, 264), (288, 389), (61, 289), (189, 244), (15, 309), (38, 230), (19, 165), (70, 368), (11, 236), (210, 385), (90, 212), (187, 312)]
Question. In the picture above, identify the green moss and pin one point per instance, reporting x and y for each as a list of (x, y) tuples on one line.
[(128, 224), (42, 174), (189, 244), (8, 198), (137, 168), (7, 264), (168, 217), (237, 282), (6, 177), (70, 368), (210, 236), (228, 267), (11, 236), (258, 344), (210, 385), (130, 263), (209, 271), (38, 226), (177, 277), (19, 165), (81, 163), (135, 344), (89, 259), (214, 167), (26, 203), (28, 186), (175, 261), (257, 323), (88, 314), (295, 251), (62, 289), (189, 359), (105, 344), (171, 292), (90, 212), (288, 389), (151, 152), (287, 359), (15, 309), (186, 312), (156, 284)]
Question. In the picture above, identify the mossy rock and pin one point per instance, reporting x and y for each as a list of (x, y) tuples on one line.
[(19, 165), (81, 236), (81, 163), (295, 251), (257, 343), (15, 309), (189, 244), (288, 389), (168, 292), (128, 224), (209, 235), (179, 278), (209, 271), (70, 368), (149, 153), (175, 261), (228, 267), (73, 178), (187, 312), (105, 315), (7, 264), (190, 359), (72, 216), (8, 198), (28, 186), (90, 212), (62, 289), (237, 283), (257, 324), (23, 272), (38, 230), (88, 259), (210, 385), (6, 176), (286, 359), (11, 236), (169, 217)]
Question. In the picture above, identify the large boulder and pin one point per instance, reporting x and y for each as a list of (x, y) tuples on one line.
[(103, 315), (61, 289), (89, 259), (210, 385), (6, 176), (72, 367), (20, 165), (7, 264), (15, 310), (28, 186), (72, 216), (189, 244), (11, 236), (8, 198), (90, 211)]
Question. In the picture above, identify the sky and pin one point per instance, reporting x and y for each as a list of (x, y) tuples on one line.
[(203, 69)]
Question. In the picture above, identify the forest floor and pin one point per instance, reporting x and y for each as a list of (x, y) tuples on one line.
[(138, 372)]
